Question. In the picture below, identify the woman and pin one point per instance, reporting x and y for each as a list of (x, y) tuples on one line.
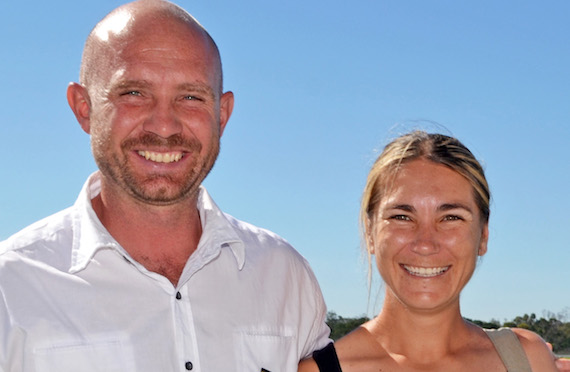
[(425, 213)]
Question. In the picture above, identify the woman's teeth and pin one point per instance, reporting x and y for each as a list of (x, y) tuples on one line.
[(425, 272)]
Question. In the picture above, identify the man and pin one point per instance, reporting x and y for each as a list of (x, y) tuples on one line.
[(144, 272)]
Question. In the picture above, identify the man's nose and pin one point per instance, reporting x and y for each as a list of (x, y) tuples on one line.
[(163, 121)]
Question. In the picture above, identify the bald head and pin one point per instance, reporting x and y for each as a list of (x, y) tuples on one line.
[(135, 21)]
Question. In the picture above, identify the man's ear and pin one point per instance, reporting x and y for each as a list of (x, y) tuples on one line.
[(226, 108), (78, 100)]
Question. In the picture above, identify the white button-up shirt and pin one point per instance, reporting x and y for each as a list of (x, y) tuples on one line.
[(72, 299)]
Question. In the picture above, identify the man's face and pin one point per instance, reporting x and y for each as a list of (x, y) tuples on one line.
[(155, 119)]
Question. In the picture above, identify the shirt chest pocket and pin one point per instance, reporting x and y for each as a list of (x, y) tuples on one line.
[(267, 351), (99, 356)]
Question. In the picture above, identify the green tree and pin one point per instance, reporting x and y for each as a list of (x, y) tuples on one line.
[(341, 326), (554, 328)]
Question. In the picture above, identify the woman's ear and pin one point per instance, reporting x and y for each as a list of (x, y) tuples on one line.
[(78, 100), (484, 240)]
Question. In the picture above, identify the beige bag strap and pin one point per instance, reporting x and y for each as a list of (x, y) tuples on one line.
[(510, 349)]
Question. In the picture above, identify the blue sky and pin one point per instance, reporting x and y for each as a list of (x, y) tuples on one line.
[(320, 87)]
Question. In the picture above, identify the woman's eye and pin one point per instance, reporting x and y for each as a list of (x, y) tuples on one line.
[(452, 218), (400, 217)]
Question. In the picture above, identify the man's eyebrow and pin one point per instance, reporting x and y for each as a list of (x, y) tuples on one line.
[(192, 87), (126, 84), (197, 87)]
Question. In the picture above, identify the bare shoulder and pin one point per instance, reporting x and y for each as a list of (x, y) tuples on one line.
[(360, 351), (536, 350), (356, 343)]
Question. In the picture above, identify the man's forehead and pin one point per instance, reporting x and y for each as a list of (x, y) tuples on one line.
[(114, 25), (125, 27), (146, 30), (138, 16)]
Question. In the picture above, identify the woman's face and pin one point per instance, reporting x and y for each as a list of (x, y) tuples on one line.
[(426, 235)]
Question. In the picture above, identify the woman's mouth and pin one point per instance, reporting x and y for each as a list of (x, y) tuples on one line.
[(425, 272)]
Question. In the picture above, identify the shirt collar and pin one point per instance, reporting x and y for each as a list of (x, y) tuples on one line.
[(217, 231), (90, 236)]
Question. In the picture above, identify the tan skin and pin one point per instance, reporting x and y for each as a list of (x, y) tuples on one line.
[(155, 114), (562, 364), (427, 235)]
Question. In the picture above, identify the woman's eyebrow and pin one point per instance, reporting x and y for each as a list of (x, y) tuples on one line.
[(451, 206), (403, 207)]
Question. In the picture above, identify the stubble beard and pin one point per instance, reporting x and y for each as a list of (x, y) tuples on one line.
[(155, 189)]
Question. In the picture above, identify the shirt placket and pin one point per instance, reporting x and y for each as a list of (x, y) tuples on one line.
[(187, 346)]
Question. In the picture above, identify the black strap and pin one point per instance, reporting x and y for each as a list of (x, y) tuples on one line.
[(326, 359)]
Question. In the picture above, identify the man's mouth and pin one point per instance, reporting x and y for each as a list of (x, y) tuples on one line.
[(425, 272), (161, 157)]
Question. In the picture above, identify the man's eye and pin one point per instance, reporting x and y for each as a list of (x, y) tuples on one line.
[(192, 98), (132, 93)]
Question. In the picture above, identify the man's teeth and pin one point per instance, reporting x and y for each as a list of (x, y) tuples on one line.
[(426, 272), (160, 157)]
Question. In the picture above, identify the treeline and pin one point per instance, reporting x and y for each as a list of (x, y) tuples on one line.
[(554, 328)]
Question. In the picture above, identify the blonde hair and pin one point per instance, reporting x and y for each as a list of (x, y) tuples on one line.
[(438, 148)]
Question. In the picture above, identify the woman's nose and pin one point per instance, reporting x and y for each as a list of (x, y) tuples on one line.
[(425, 242)]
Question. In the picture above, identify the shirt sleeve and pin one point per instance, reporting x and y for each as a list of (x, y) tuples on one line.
[(12, 338), (319, 333), (4, 330)]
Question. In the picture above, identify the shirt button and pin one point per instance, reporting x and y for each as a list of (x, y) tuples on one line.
[(178, 296), (189, 366)]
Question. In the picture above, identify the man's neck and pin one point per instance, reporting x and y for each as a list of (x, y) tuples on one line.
[(161, 238)]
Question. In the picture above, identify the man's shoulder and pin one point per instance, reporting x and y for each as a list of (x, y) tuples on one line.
[(247, 232), (36, 239), (252, 233), (260, 242)]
